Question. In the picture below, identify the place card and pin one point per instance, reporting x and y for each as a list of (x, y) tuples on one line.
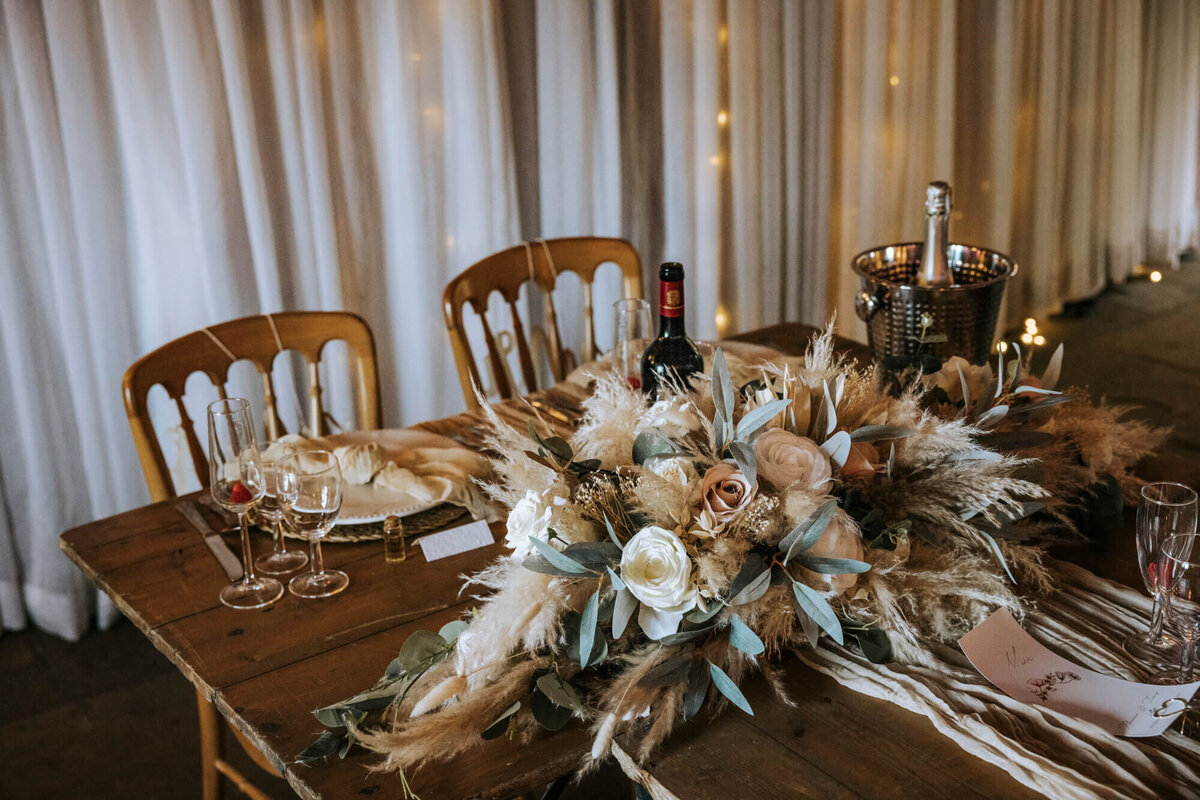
[(444, 544), (1027, 671)]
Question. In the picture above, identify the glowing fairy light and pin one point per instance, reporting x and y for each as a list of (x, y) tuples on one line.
[(1027, 338), (1039, 340), (1155, 276)]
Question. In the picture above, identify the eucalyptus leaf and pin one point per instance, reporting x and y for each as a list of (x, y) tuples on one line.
[(891, 462), (699, 679), (617, 583), (999, 554), (873, 642), (323, 746), (369, 704), (419, 649), (722, 387), (347, 743), (753, 564), (559, 448), (535, 563), (819, 609), (1041, 405), (809, 531), (666, 673), (727, 687), (596, 556), (808, 626), (541, 460), (700, 616), (587, 627), (743, 454), (837, 447), (880, 433), (753, 590), (560, 691), (330, 717), (966, 391), (612, 534), (549, 715), (992, 417), (451, 630), (1050, 376), (833, 566), (685, 636), (1035, 390), (498, 727), (649, 444), (718, 433), (623, 609), (559, 560), (744, 639), (753, 422)]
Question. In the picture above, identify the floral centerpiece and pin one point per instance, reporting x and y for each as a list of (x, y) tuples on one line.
[(667, 550)]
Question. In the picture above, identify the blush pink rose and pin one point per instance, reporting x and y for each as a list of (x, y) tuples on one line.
[(724, 491), (840, 540), (785, 459)]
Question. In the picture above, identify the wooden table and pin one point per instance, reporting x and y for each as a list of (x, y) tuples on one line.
[(267, 670)]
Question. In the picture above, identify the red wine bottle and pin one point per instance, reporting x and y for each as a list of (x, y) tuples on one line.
[(671, 359)]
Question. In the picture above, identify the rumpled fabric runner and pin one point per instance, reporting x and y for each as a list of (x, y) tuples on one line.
[(1057, 755)]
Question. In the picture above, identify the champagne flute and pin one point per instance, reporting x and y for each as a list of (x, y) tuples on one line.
[(1165, 509), (280, 561), (631, 332), (237, 484), (311, 489), (1179, 580)]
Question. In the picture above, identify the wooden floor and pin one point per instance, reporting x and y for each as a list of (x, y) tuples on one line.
[(108, 717)]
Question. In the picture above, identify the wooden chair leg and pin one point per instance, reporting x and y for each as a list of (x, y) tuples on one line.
[(210, 748)]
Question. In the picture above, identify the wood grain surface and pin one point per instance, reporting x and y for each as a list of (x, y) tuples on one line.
[(267, 670)]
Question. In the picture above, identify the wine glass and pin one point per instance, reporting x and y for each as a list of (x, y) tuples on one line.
[(311, 490), (237, 484), (631, 331), (1179, 580), (280, 561), (1165, 509)]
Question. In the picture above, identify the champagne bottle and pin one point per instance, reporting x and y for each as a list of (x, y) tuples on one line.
[(935, 270), (671, 359)]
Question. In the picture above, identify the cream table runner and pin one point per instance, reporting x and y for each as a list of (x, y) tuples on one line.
[(1057, 755)]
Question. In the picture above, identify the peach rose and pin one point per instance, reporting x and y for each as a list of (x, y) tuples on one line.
[(724, 491), (862, 460), (840, 540), (785, 459)]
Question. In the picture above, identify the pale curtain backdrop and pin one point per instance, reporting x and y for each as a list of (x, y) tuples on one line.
[(171, 165)]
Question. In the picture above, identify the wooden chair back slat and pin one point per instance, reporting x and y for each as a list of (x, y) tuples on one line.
[(505, 272), (499, 367), (524, 352), (252, 339)]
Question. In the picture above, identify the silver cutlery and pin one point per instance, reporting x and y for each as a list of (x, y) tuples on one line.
[(225, 557)]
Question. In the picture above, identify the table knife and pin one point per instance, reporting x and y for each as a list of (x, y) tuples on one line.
[(225, 557)]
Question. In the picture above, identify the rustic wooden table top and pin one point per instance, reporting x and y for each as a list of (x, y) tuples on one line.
[(267, 670)]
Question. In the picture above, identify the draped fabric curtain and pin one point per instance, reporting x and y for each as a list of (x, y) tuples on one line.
[(168, 165)]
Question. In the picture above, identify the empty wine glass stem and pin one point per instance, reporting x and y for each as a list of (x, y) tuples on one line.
[(1157, 615), (277, 529), (318, 563), (247, 558), (1189, 655)]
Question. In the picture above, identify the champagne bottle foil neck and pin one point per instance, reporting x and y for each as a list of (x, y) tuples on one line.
[(937, 198)]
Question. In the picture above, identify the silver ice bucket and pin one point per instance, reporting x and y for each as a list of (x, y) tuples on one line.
[(965, 312)]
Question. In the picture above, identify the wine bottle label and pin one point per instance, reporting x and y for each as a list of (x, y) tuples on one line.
[(670, 298)]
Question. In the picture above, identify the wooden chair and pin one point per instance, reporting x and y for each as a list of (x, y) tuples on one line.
[(212, 351), (505, 272)]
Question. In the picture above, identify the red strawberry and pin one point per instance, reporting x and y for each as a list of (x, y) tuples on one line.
[(634, 383), (240, 494)]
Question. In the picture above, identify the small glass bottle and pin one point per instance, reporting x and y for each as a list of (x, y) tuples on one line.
[(394, 550)]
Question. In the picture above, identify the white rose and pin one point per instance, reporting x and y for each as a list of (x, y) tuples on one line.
[(673, 417), (785, 459), (531, 517), (677, 470), (657, 570)]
